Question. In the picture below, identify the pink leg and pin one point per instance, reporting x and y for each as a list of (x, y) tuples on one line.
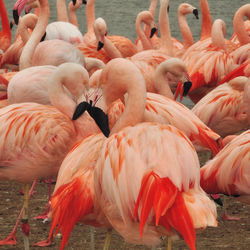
[(44, 243), (225, 216), (11, 239), (44, 216)]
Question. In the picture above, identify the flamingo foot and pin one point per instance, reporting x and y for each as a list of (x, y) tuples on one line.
[(44, 243), (10, 240), (227, 217), (42, 217)]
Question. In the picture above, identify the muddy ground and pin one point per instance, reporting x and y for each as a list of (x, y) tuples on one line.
[(230, 235)]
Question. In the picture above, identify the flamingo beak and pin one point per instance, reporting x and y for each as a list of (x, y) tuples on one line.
[(153, 31), (100, 45), (84, 2), (15, 16), (43, 37), (195, 12), (80, 109), (11, 24), (74, 2), (186, 87)]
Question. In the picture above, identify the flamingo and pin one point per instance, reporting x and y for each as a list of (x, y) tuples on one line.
[(163, 110), (35, 53), (209, 63), (80, 168), (246, 99), (222, 109), (124, 45), (242, 53), (228, 172), (72, 8), (5, 34), (32, 132)]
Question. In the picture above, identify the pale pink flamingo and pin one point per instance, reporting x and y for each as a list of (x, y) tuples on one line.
[(80, 169), (223, 109), (42, 133), (228, 172), (36, 52), (5, 33), (208, 61)]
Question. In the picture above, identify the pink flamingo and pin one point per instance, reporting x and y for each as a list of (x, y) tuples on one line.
[(242, 53), (227, 173), (5, 34), (124, 45), (35, 53), (209, 63), (72, 8), (246, 98), (222, 109), (80, 169), (32, 132)]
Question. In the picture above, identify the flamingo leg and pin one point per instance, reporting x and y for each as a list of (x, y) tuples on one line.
[(225, 216), (11, 239), (107, 240), (44, 216), (169, 246)]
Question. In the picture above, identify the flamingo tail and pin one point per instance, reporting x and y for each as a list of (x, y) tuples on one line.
[(69, 204), (168, 204)]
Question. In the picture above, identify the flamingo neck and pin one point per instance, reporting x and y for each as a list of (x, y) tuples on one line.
[(239, 26), (206, 22), (186, 33), (4, 19), (166, 42), (90, 15), (26, 22), (218, 34), (161, 83), (35, 38), (61, 11), (152, 9), (72, 13), (146, 44)]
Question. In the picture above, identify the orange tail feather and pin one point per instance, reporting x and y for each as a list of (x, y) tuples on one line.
[(169, 206), (69, 204)]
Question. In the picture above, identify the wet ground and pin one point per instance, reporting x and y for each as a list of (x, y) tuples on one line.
[(230, 235)]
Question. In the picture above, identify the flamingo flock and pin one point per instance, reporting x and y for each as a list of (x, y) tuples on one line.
[(101, 114)]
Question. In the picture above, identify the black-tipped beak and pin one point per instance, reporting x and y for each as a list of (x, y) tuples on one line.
[(43, 37), (11, 25), (217, 199), (16, 16), (84, 2), (195, 12), (100, 45), (153, 31), (168, 8), (80, 109), (74, 2), (186, 87)]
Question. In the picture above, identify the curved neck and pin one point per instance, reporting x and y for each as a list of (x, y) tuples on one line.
[(4, 19), (124, 78), (206, 23), (61, 11), (63, 77), (161, 83), (35, 38), (238, 22), (146, 44), (72, 13), (218, 34), (152, 9), (166, 42), (26, 22), (90, 15), (186, 33)]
